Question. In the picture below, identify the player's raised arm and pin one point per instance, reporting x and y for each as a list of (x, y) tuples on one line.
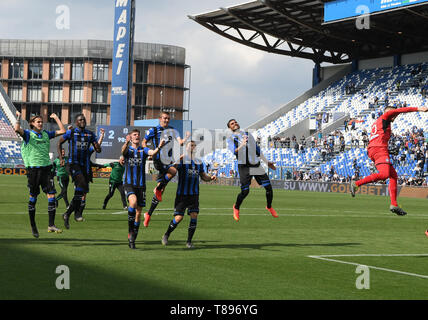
[(155, 151), (101, 138), (17, 126), (97, 144), (149, 136), (183, 141), (59, 149), (100, 141), (392, 113), (60, 125), (125, 146), (232, 146)]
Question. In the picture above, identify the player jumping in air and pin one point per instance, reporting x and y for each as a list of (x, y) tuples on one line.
[(187, 196), (79, 141), (377, 151), (162, 163), (248, 154), (35, 153), (134, 180)]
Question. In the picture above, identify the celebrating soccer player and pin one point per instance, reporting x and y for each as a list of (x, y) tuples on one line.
[(116, 181), (187, 196), (248, 154), (166, 169), (377, 151), (35, 153), (135, 180), (63, 179), (79, 141)]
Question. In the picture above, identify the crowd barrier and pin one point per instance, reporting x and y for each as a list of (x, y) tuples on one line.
[(311, 186), (334, 187)]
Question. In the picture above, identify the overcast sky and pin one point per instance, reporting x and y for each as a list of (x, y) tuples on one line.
[(229, 80)]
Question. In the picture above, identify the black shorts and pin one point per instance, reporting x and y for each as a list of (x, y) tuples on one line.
[(140, 193), (80, 177), (191, 203), (247, 173), (162, 168), (41, 177)]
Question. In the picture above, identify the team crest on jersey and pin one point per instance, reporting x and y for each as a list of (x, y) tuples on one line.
[(193, 172), (135, 161)]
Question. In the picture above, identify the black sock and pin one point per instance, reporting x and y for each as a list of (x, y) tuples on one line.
[(241, 197), (136, 229), (75, 203), (172, 225), (192, 229), (153, 206), (70, 208), (79, 211), (51, 211), (32, 211), (163, 182), (131, 220), (269, 196)]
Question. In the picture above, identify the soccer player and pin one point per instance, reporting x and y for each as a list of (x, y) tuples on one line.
[(63, 179), (248, 154), (35, 153), (79, 141), (135, 180), (378, 152), (166, 169), (187, 196), (116, 181)]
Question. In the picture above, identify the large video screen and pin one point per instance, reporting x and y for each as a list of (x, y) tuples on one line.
[(114, 139), (343, 9)]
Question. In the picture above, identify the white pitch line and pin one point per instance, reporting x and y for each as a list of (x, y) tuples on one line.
[(289, 215), (341, 213), (373, 255), (323, 257)]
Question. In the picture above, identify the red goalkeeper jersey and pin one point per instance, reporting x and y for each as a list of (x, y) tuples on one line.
[(381, 128)]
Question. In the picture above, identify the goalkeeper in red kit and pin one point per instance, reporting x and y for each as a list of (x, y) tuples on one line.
[(377, 151)]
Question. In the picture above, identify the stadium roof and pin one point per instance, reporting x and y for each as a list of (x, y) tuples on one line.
[(296, 28)]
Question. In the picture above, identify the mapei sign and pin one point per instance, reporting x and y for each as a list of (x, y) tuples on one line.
[(122, 56)]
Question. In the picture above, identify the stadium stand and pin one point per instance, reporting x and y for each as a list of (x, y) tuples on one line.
[(368, 85), (388, 65), (363, 95), (10, 151)]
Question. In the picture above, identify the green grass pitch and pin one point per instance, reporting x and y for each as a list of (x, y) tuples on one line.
[(259, 257)]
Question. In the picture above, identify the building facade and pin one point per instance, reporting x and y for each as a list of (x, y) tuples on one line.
[(68, 77)]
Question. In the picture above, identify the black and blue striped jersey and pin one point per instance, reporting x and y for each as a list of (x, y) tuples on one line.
[(156, 134), (135, 164), (248, 155), (79, 142), (188, 176)]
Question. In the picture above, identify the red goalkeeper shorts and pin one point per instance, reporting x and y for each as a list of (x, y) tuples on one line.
[(379, 155)]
